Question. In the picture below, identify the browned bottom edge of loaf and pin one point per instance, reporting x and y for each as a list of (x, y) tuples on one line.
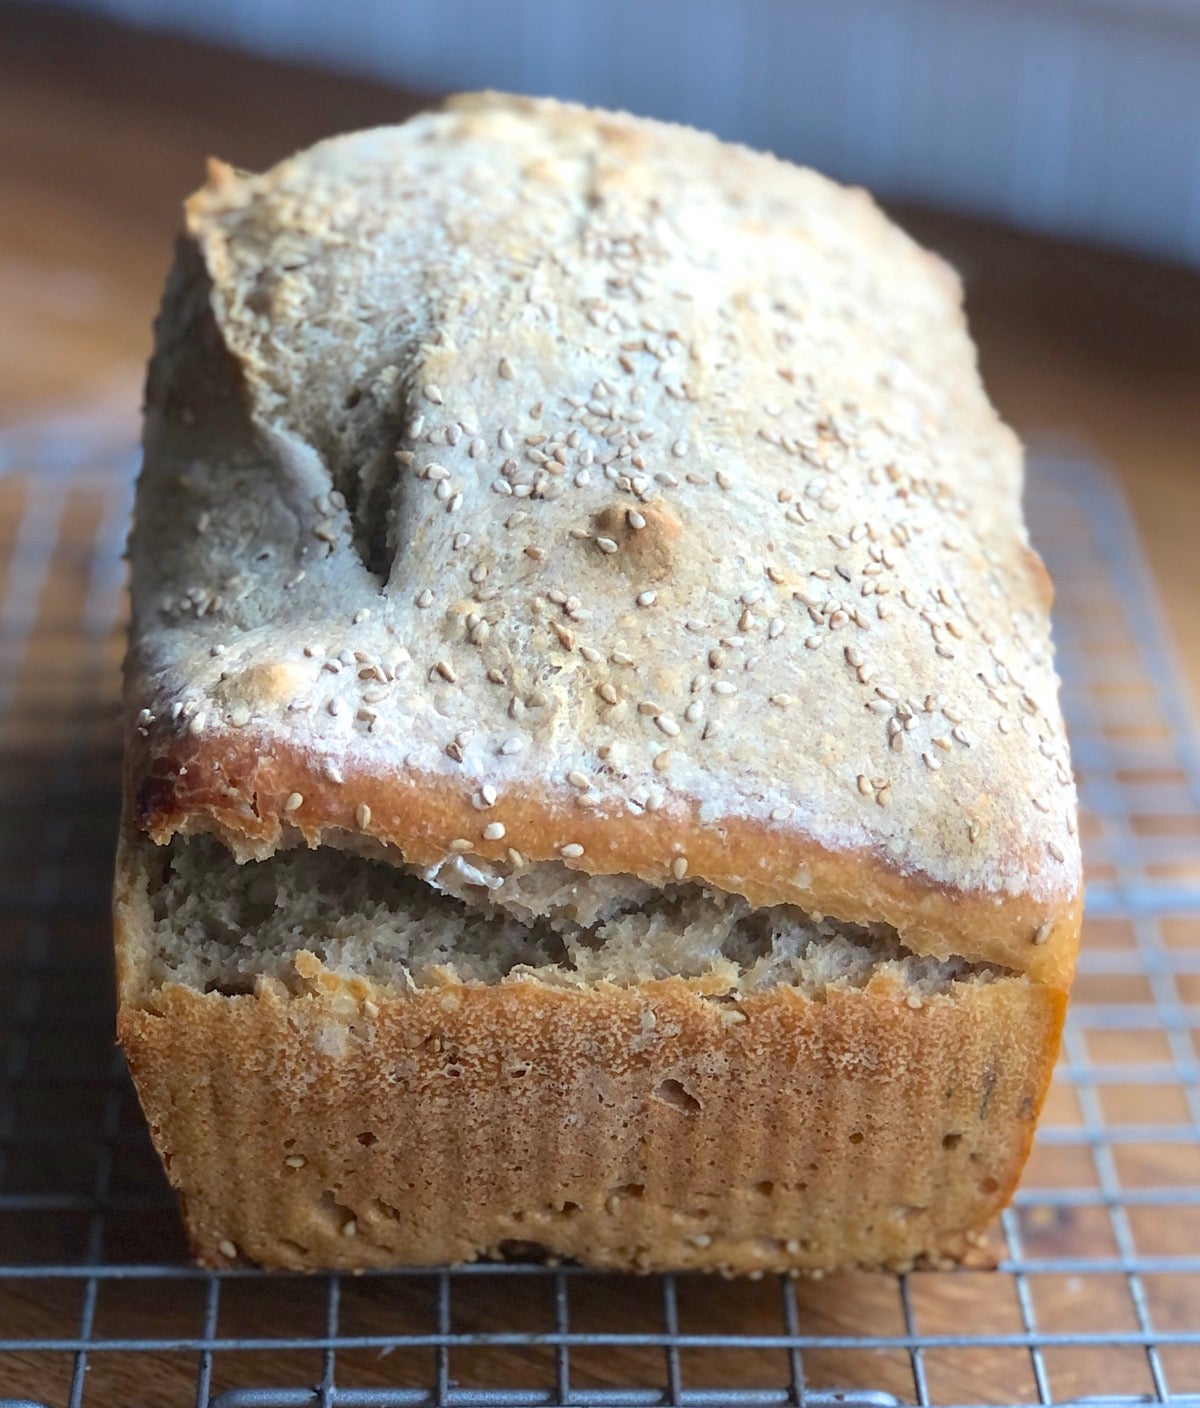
[(645, 1128)]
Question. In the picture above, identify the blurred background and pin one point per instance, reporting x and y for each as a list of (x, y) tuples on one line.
[(1051, 150)]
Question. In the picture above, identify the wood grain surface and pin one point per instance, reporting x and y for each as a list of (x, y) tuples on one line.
[(102, 132)]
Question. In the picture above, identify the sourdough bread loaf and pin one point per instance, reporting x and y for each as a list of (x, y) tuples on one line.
[(595, 779)]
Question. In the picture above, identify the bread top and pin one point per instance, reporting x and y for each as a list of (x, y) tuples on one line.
[(528, 483)]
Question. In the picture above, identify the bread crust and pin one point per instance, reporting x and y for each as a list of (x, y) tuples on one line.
[(227, 785), (795, 641), (528, 484), (649, 1127)]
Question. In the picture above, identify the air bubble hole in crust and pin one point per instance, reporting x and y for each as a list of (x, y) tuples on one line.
[(673, 1092), (634, 1191)]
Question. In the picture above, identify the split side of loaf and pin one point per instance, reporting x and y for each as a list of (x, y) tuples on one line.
[(594, 777)]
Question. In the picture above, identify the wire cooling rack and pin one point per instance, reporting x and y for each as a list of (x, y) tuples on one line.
[(1097, 1296)]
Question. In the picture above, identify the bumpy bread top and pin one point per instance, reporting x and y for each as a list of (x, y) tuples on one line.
[(528, 483)]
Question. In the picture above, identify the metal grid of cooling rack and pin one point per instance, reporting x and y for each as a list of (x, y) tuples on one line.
[(1097, 1295)]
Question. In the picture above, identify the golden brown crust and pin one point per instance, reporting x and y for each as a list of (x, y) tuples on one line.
[(647, 1127), (226, 784)]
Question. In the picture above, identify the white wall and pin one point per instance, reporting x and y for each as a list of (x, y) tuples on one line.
[(1077, 117)]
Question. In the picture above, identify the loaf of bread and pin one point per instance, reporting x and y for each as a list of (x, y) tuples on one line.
[(595, 781)]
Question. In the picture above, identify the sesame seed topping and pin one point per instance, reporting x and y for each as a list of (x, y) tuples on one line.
[(494, 831), (227, 1249), (572, 851), (294, 802), (512, 745), (505, 368), (606, 545), (1043, 932), (679, 867), (362, 816), (425, 598), (1056, 850), (460, 845), (662, 761), (932, 763), (667, 725), (647, 598), (434, 393)]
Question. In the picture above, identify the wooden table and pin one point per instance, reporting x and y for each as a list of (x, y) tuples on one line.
[(102, 132)]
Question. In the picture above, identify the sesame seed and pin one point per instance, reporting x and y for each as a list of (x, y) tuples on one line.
[(295, 1161), (1043, 932), (434, 393), (460, 845), (239, 715), (725, 687), (635, 519), (663, 761), (512, 745), (572, 851), (667, 725), (362, 816), (494, 831), (679, 867), (606, 545), (647, 598), (1056, 850), (679, 448), (579, 779), (505, 368), (607, 692), (227, 1249), (350, 1228), (425, 599), (931, 762), (446, 670), (515, 857), (294, 802)]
